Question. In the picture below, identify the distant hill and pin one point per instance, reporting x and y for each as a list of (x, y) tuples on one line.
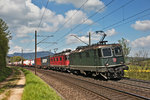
[(32, 54)]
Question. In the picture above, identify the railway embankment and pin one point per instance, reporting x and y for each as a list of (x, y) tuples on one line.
[(25, 85), (22, 84), (75, 87), (36, 89)]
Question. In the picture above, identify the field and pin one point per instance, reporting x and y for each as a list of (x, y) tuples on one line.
[(36, 89), (138, 72)]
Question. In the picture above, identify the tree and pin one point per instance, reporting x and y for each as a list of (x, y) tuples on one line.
[(5, 36), (125, 46), (141, 57)]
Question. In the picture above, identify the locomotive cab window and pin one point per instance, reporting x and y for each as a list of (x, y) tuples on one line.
[(118, 51), (107, 52)]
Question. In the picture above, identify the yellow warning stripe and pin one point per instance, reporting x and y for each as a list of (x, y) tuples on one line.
[(137, 70)]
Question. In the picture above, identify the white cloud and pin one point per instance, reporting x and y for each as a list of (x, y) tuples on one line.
[(78, 18), (111, 32), (23, 17), (18, 49), (91, 5), (40, 49), (15, 49), (141, 42), (142, 25)]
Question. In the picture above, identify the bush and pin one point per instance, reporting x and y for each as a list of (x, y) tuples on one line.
[(4, 73)]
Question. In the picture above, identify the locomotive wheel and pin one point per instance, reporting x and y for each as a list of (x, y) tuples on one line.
[(88, 73)]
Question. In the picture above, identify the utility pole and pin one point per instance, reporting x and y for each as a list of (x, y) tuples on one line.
[(35, 50), (89, 38), (22, 57)]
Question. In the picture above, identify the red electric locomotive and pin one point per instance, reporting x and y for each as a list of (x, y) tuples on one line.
[(60, 60)]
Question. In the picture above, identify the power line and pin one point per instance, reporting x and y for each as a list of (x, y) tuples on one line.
[(106, 15), (72, 15), (82, 22), (40, 21), (43, 14), (85, 20), (133, 19), (66, 21), (128, 19), (118, 25)]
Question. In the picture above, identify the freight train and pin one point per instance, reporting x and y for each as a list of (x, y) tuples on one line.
[(101, 59)]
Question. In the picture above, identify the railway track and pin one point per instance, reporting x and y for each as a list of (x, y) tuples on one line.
[(99, 90), (137, 80)]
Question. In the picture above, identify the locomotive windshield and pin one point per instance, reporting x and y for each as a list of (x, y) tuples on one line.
[(106, 52), (118, 51)]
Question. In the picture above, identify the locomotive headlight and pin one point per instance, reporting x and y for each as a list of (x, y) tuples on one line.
[(107, 64)]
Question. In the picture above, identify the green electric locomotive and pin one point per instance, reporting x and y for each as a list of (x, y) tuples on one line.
[(106, 60), (101, 59)]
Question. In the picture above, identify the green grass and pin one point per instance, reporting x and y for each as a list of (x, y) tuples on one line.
[(36, 89), (133, 72), (4, 73)]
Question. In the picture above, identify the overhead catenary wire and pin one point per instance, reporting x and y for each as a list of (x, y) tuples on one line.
[(106, 15), (101, 17), (82, 22), (118, 25), (43, 14), (132, 20), (132, 16), (86, 20), (40, 21), (66, 21), (126, 19)]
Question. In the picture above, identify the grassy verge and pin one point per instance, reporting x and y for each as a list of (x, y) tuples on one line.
[(4, 73), (12, 81), (36, 89), (138, 72)]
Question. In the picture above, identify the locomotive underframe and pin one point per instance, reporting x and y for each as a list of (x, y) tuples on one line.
[(108, 72)]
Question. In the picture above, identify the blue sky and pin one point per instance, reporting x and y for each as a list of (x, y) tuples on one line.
[(23, 18)]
